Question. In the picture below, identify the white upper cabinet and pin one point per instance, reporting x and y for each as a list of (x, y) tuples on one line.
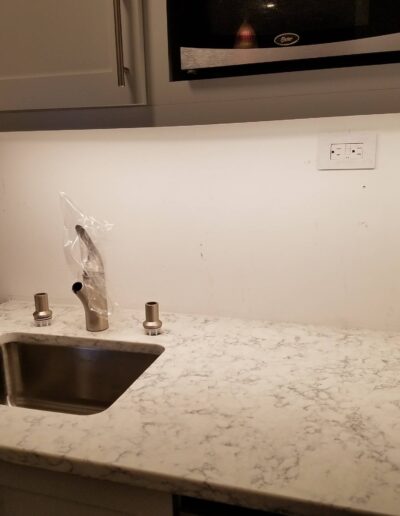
[(71, 54)]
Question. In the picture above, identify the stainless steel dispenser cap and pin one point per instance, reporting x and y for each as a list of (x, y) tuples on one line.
[(42, 314), (152, 324)]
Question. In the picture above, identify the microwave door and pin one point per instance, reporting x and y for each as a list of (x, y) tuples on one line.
[(213, 34)]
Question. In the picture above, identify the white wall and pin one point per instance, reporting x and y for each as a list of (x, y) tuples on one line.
[(225, 219)]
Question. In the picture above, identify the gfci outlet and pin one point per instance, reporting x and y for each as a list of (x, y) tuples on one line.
[(347, 151)]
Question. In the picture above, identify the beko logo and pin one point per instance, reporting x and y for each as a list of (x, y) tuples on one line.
[(287, 39)]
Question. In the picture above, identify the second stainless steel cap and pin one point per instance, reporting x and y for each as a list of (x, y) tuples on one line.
[(42, 314), (152, 324)]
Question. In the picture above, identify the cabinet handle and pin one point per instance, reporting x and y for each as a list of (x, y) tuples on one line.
[(119, 45)]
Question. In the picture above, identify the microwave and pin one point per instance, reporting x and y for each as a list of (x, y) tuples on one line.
[(220, 38)]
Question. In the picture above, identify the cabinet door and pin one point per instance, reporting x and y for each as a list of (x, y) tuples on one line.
[(26, 491), (63, 53)]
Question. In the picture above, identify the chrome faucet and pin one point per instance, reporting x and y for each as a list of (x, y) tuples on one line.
[(92, 290)]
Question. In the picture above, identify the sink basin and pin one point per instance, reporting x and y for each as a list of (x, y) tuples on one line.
[(68, 375)]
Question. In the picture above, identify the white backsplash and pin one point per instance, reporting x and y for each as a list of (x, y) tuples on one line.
[(223, 220)]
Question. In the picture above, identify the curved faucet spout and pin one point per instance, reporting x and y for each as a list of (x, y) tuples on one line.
[(92, 290)]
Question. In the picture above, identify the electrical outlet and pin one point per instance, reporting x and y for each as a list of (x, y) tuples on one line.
[(347, 151)]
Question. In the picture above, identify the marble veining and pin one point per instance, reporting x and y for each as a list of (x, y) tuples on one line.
[(272, 416)]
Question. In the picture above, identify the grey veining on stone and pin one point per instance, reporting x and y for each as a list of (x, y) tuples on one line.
[(282, 416)]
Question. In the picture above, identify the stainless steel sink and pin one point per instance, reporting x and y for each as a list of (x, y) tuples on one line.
[(69, 376)]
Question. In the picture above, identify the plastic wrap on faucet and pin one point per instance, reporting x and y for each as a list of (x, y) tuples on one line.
[(83, 235)]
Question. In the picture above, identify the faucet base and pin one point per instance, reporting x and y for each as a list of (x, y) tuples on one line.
[(95, 321)]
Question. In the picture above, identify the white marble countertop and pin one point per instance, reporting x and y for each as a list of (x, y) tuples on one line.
[(276, 416)]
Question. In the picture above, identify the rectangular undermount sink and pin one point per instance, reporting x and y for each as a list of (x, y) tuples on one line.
[(64, 374)]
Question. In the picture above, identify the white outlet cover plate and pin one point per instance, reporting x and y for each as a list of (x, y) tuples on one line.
[(366, 139)]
